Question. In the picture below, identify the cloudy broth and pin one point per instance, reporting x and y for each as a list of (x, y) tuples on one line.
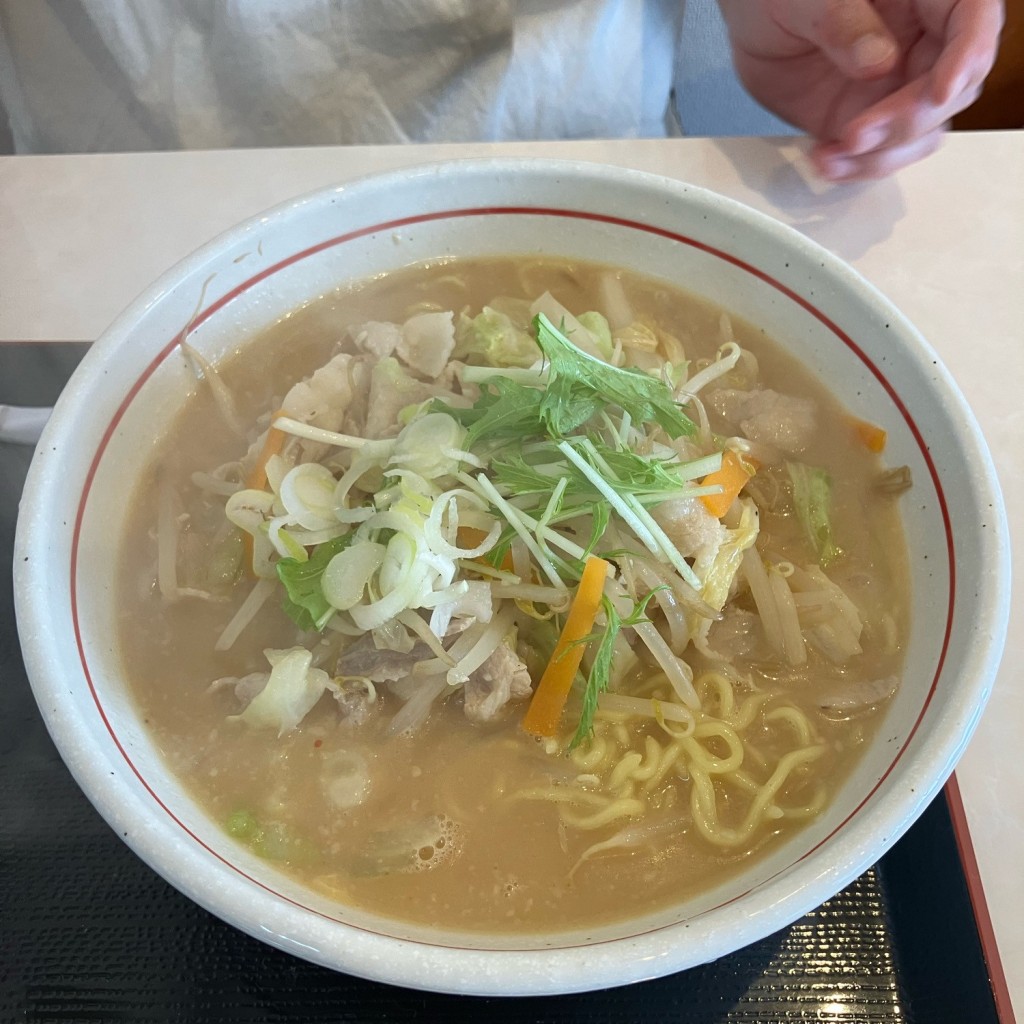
[(456, 825)]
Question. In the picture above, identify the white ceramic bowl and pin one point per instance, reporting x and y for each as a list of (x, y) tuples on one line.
[(131, 383)]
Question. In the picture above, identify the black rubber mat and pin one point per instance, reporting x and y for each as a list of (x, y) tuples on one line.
[(89, 933)]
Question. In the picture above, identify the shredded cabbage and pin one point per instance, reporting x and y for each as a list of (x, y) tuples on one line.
[(292, 689), (812, 498), (492, 339)]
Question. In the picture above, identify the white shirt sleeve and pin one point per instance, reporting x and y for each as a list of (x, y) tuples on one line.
[(109, 75)]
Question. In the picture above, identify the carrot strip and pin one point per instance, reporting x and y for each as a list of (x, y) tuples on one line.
[(272, 445), (732, 478), (257, 478), (471, 537), (545, 710), (873, 438)]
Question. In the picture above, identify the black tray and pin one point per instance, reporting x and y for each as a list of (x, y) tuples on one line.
[(89, 933)]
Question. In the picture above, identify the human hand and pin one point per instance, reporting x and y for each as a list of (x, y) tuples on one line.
[(874, 82)]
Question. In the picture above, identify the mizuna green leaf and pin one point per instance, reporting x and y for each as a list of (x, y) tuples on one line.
[(578, 382)]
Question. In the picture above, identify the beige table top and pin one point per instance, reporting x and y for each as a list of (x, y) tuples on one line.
[(80, 236)]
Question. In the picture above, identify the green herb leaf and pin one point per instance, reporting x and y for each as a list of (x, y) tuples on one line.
[(504, 410), (578, 382), (602, 514), (642, 475), (599, 677), (539, 470), (501, 547), (520, 477), (812, 498), (305, 603)]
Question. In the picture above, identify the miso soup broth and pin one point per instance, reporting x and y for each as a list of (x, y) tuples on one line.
[(365, 561)]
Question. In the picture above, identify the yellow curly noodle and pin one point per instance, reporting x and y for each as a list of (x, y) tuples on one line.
[(631, 766)]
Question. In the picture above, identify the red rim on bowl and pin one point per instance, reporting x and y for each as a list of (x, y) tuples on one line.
[(651, 961)]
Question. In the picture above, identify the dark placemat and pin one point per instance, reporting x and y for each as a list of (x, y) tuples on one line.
[(89, 933)]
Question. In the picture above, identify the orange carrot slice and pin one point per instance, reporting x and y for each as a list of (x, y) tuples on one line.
[(545, 710), (732, 478), (471, 537), (272, 445), (873, 438), (257, 478)]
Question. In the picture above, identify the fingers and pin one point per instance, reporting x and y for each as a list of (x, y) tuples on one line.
[(909, 113), (880, 78), (849, 32), (971, 34), (946, 71), (835, 165)]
